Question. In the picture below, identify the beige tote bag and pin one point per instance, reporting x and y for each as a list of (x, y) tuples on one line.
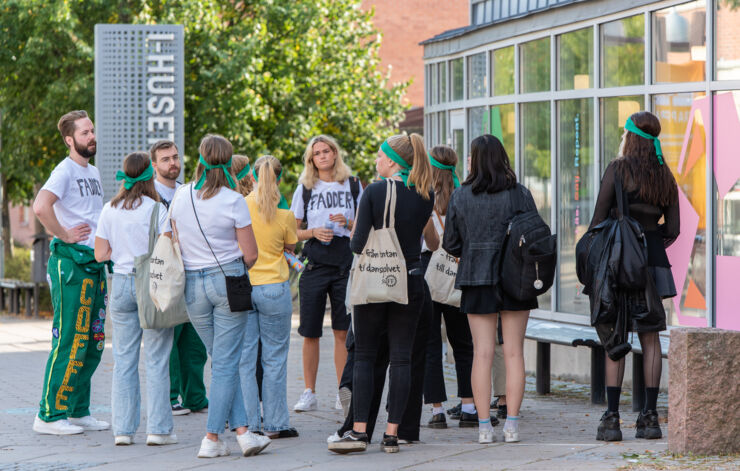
[(440, 275), (379, 273), (167, 272)]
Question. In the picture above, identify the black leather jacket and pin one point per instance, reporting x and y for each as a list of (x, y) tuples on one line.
[(474, 231)]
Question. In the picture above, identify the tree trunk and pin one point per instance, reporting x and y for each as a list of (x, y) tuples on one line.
[(7, 238)]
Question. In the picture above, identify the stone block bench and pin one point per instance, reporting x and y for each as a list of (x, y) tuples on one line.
[(11, 292)]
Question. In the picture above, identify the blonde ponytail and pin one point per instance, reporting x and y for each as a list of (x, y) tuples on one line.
[(267, 169), (411, 149)]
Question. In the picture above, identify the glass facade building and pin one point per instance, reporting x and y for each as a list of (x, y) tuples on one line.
[(556, 85)]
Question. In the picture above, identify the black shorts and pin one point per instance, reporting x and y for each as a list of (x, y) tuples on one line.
[(317, 281)]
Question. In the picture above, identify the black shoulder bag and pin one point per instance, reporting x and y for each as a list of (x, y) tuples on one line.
[(238, 288)]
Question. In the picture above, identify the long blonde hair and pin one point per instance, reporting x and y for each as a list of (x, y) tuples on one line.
[(238, 163), (216, 150), (310, 173), (411, 150), (267, 169)]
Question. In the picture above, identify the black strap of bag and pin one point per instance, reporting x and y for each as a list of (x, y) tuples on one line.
[(238, 288)]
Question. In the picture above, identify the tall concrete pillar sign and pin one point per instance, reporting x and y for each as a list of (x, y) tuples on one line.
[(139, 93)]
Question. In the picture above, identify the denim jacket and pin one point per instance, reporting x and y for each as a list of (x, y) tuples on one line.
[(475, 230)]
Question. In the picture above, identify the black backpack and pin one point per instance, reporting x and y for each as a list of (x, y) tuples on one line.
[(529, 253), (354, 188)]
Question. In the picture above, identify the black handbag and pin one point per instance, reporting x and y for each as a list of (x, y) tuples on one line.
[(238, 288)]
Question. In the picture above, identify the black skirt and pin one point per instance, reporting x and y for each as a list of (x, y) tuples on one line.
[(491, 300)]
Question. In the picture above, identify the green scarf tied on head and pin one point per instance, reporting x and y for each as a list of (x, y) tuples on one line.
[(130, 181), (632, 127), (243, 173), (440, 165), (283, 204), (225, 167), (405, 167)]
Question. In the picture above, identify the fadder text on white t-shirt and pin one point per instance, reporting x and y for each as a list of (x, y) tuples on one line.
[(127, 231), (219, 217), (327, 198), (80, 196)]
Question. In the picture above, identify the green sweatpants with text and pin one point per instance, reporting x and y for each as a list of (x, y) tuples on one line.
[(78, 296), (187, 360)]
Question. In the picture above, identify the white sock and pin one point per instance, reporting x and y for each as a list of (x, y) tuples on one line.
[(468, 408), (484, 425), (438, 410), (512, 423)]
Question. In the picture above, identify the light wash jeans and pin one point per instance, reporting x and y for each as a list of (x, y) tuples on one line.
[(222, 332), (268, 323), (127, 337)]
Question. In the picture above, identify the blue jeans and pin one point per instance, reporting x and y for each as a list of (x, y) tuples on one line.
[(127, 337), (222, 332), (268, 323)]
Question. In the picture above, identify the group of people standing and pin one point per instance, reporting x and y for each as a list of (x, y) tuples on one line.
[(231, 219)]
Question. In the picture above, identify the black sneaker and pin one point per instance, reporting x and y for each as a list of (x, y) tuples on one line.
[(471, 420), (609, 430), (178, 409), (438, 421), (455, 412), (351, 442), (647, 425), (389, 444)]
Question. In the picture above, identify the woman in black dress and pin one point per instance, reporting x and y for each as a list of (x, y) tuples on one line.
[(652, 194)]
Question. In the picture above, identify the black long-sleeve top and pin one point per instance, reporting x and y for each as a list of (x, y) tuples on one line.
[(659, 236), (412, 214)]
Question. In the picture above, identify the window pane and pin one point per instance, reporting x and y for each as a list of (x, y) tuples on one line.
[(502, 126), (477, 76), (477, 13), (433, 88), (614, 113), (535, 66), (535, 129), (442, 82), (503, 71), (681, 117), (576, 197), (679, 43), (477, 123), (576, 57), (457, 79), (623, 51), (458, 143), (727, 50), (443, 128)]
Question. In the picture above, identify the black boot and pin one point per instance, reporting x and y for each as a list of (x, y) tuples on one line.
[(609, 427), (389, 443), (438, 421), (647, 425)]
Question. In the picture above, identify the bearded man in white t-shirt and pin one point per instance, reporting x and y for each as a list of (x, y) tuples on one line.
[(189, 356), (69, 205)]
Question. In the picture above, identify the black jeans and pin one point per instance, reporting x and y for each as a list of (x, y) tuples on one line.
[(458, 331), (349, 365), (400, 321)]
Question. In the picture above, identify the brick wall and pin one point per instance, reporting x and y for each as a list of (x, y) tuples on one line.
[(405, 23)]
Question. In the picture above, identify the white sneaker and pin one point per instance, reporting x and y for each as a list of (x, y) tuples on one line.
[(307, 402), (154, 439), (511, 436), (333, 438), (124, 440), (486, 436), (211, 449), (90, 423), (58, 427), (251, 443)]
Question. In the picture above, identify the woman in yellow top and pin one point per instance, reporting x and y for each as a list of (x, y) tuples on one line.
[(269, 323)]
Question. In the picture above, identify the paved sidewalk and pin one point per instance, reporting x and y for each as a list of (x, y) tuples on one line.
[(557, 431)]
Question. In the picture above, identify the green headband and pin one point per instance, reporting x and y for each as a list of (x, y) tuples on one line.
[(283, 204), (451, 168), (631, 127), (130, 181), (225, 167), (243, 173), (405, 167)]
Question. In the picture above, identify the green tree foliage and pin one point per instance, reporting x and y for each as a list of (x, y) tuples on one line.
[(266, 74)]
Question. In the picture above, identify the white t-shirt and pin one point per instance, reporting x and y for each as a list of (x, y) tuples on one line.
[(80, 196), (327, 198), (439, 229), (127, 231), (219, 216), (164, 191)]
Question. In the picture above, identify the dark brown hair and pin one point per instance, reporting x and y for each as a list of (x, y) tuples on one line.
[(66, 124), (134, 165), (216, 150), (443, 182), (638, 164), (160, 145), (490, 170)]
